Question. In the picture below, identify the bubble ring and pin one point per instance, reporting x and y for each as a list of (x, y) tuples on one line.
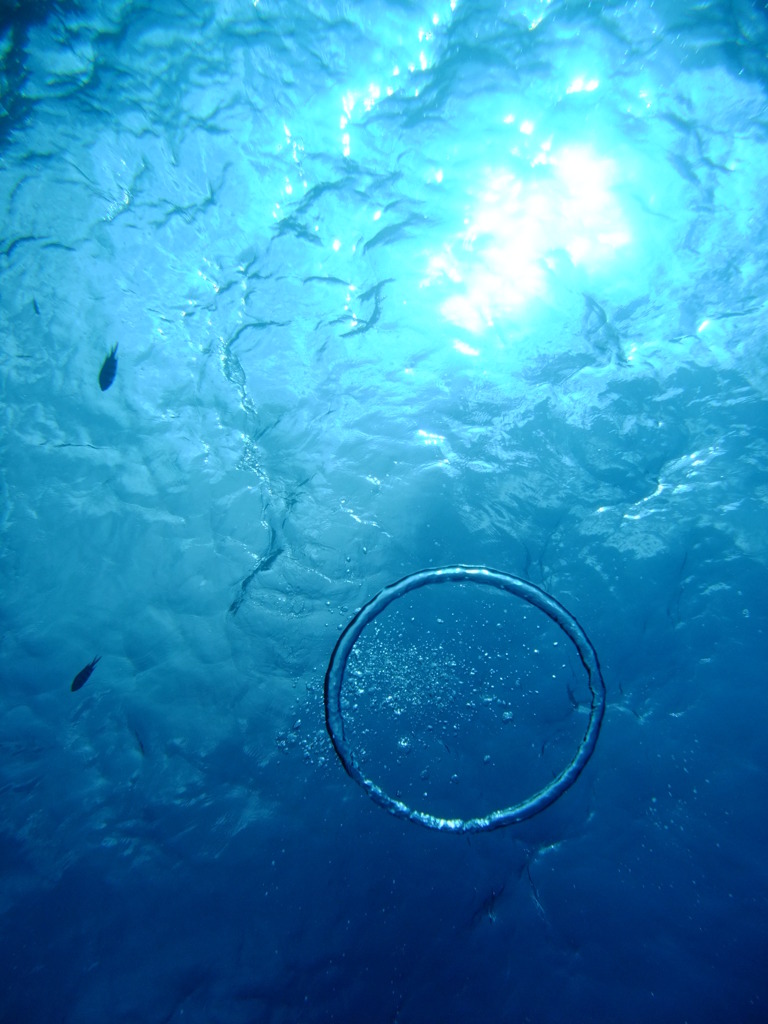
[(334, 679)]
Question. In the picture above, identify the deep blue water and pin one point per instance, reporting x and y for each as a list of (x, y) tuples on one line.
[(392, 286)]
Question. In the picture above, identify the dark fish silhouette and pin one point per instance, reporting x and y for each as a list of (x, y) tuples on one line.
[(84, 674), (34, 303), (108, 370)]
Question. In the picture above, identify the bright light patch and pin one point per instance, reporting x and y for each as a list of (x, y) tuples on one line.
[(527, 127), (502, 258), (444, 265), (374, 93), (428, 438), (581, 84), (614, 239), (702, 326), (590, 212), (466, 311), (464, 349), (535, 22), (336, 245)]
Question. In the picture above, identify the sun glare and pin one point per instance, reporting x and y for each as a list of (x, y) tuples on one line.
[(520, 223)]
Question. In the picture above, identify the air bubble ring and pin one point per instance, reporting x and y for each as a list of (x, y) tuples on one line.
[(334, 679)]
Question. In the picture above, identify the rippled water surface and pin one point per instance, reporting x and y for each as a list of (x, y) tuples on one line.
[(388, 286)]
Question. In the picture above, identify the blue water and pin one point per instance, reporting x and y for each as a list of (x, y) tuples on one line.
[(393, 286)]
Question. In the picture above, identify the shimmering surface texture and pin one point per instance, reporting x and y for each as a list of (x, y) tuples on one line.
[(393, 286)]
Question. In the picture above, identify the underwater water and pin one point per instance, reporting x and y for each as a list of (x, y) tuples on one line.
[(297, 299)]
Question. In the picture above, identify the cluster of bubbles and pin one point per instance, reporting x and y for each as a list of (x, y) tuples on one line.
[(463, 699)]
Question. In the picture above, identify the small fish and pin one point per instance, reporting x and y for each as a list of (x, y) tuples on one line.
[(108, 370), (84, 674), (35, 305)]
